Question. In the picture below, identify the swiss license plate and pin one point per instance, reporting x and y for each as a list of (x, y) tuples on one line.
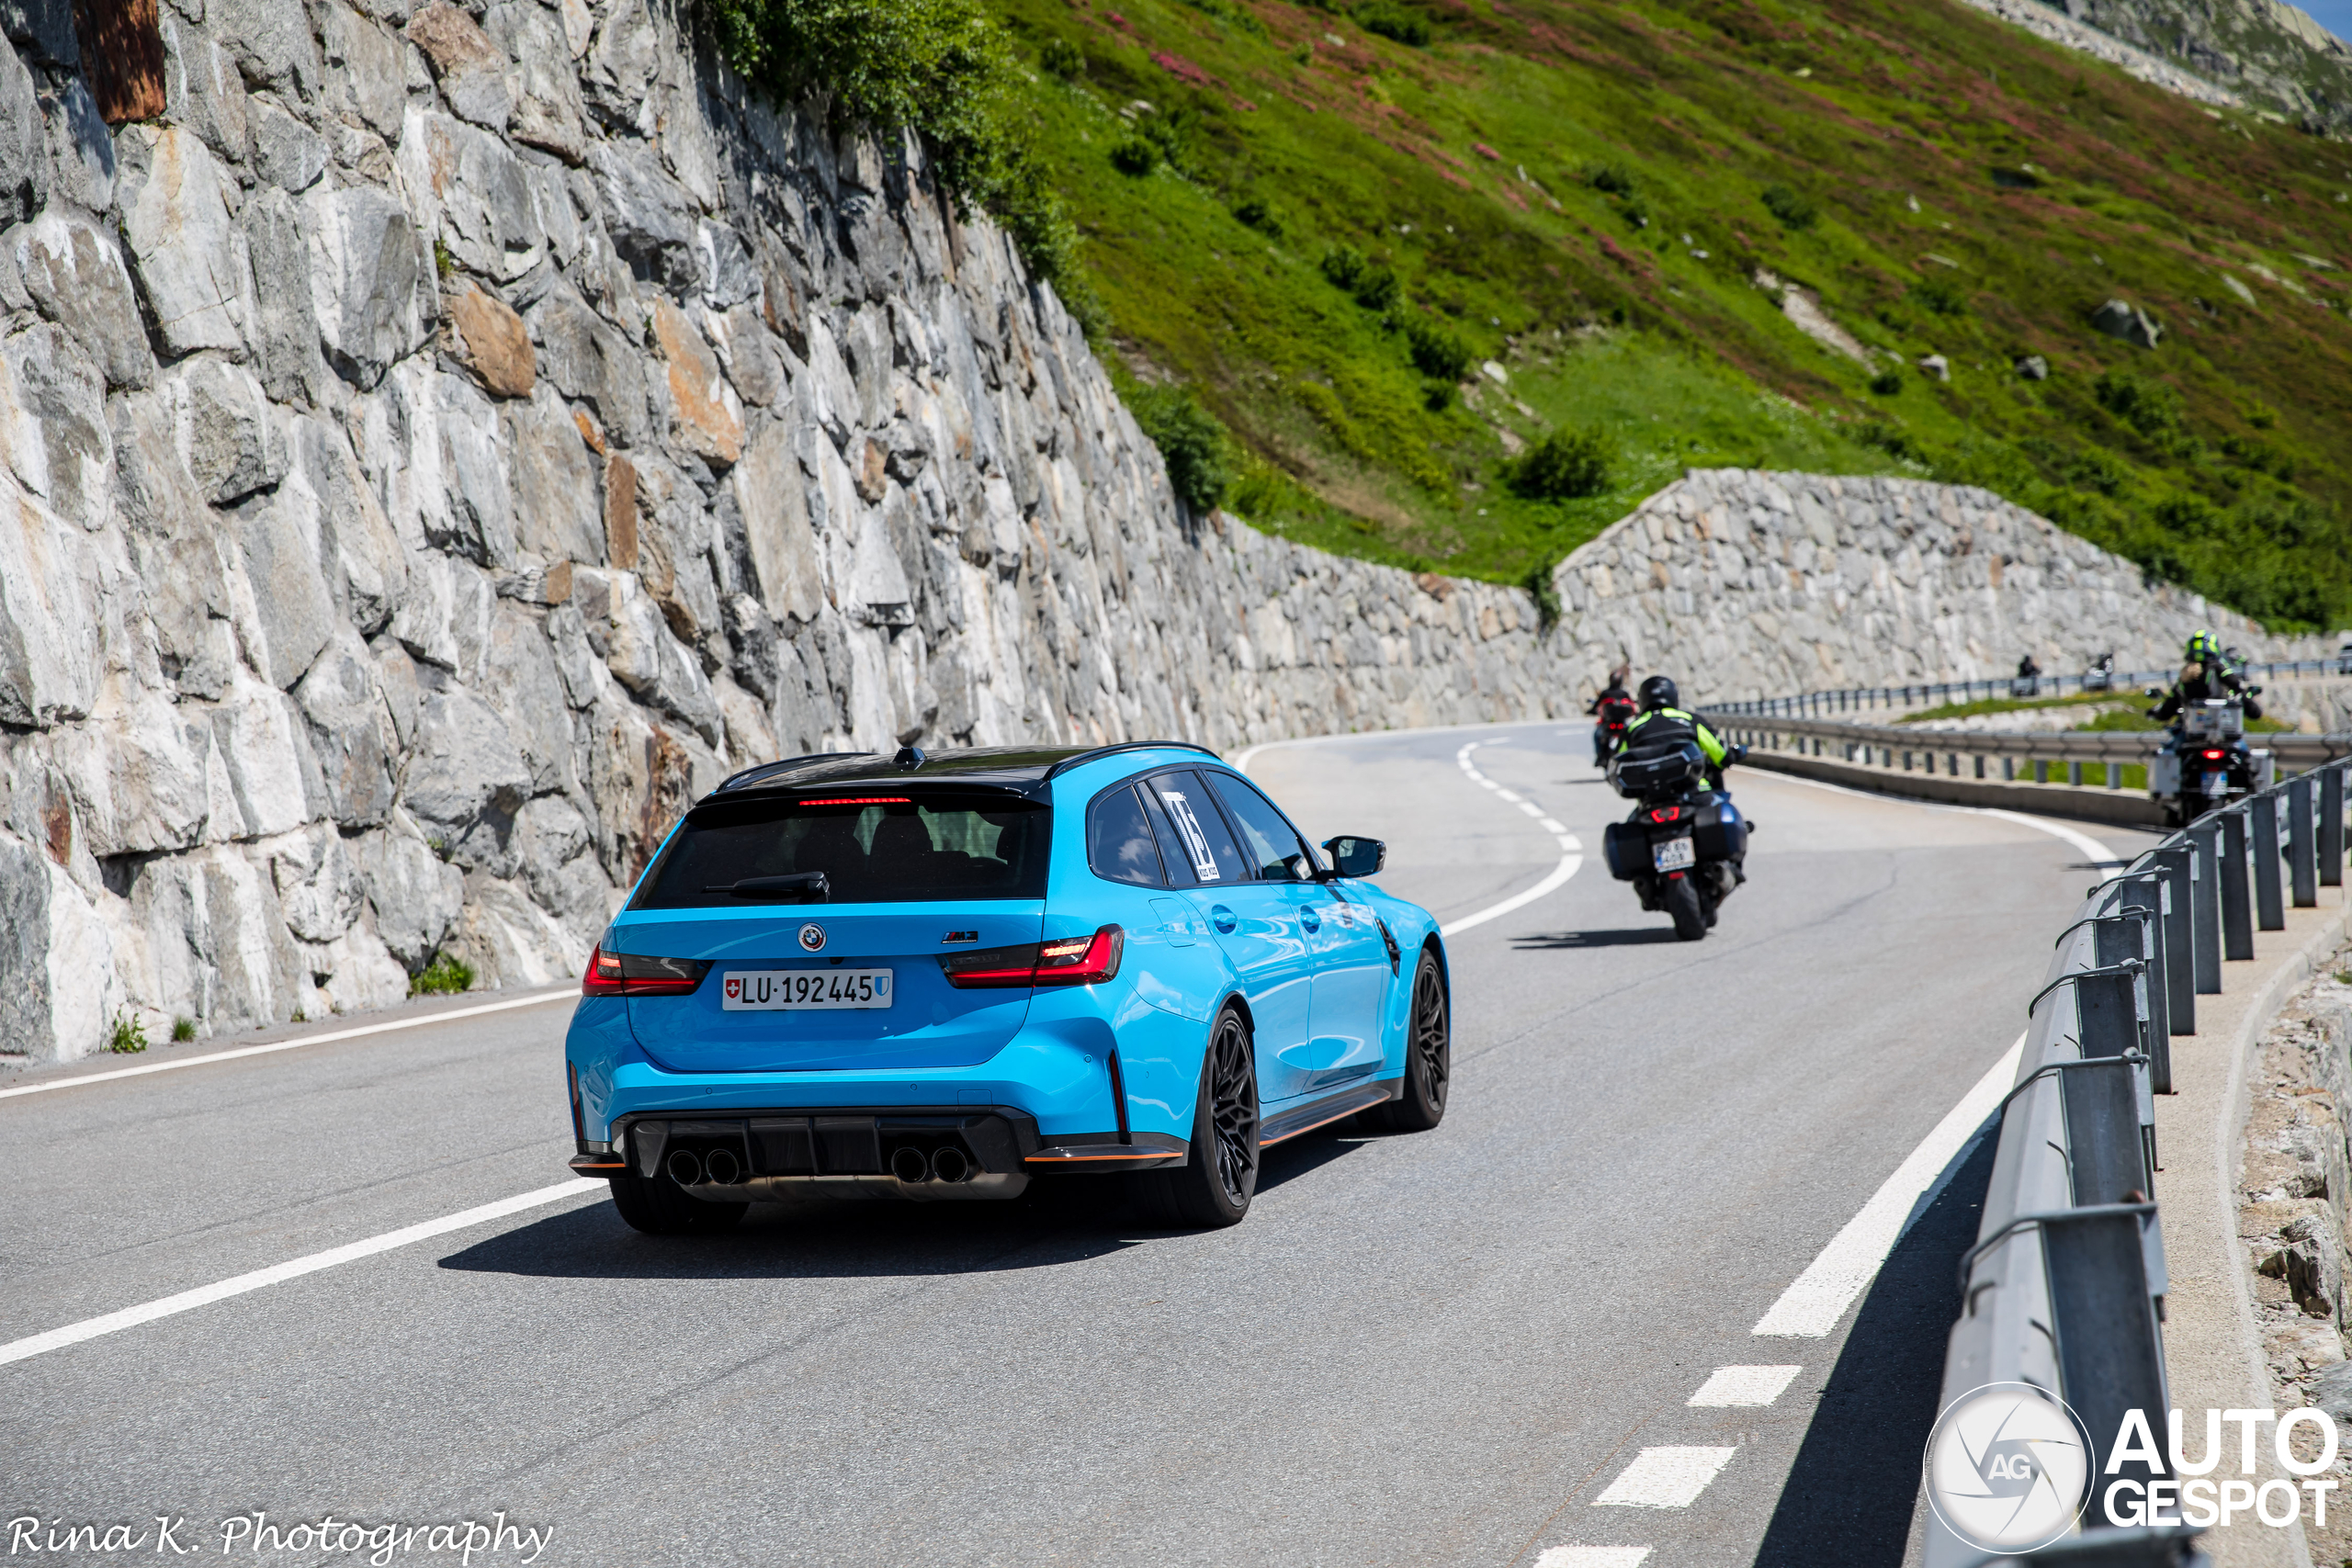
[(1675, 855), (801, 990), (2217, 782)]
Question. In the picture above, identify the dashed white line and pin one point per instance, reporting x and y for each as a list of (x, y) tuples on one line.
[(1745, 1385), (1594, 1557), (1817, 1298), (1571, 856), (1665, 1478), (332, 1034), (278, 1274)]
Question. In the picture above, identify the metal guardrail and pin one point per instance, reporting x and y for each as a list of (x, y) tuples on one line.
[(2121, 682), (2065, 1288)]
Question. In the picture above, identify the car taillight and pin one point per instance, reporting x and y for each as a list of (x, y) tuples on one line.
[(1065, 961), (635, 974)]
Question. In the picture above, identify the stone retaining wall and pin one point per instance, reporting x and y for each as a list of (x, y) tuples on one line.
[(447, 441)]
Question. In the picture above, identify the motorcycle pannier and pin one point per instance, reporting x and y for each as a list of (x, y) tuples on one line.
[(1626, 849), (1721, 832), (1642, 772)]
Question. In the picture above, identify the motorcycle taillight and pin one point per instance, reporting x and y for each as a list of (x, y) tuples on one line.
[(1666, 813), (2212, 756)]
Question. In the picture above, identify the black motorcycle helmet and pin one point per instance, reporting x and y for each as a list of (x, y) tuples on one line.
[(1658, 692)]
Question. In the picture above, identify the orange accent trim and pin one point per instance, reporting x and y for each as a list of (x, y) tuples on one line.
[(1311, 1126), (1075, 1159)]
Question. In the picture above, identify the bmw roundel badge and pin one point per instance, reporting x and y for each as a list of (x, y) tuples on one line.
[(812, 937)]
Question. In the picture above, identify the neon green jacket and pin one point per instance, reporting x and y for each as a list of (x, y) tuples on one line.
[(1676, 726)]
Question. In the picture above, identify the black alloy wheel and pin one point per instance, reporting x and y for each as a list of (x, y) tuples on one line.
[(1219, 1175), (1419, 1104)]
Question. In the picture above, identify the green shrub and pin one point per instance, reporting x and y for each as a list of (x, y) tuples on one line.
[(1393, 22), (1251, 212), (128, 1034), (1941, 295), (1438, 396), (1891, 439), (1191, 442), (2191, 516), (1793, 210), (1376, 290), (1134, 155), (1437, 351), (2247, 452), (1566, 464), (1612, 179), (1886, 383), (1172, 134), (2148, 407), (1342, 266), (183, 1030), (1374, 287), (939, 67), (1546, 595), (445, 976), (1061, 58)]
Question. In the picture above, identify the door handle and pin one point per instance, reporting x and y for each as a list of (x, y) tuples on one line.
[(1222, 917), (1309, 918)]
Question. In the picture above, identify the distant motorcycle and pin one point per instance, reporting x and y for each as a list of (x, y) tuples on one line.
[(2100, 677), (1683, 847), (2204, 762), (1610, 720)]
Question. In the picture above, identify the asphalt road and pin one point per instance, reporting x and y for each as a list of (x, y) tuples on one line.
[(1418, 1349)]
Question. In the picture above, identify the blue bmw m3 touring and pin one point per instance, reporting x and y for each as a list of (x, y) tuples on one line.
[(947, 975)]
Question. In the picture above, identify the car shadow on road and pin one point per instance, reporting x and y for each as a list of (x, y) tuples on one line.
[(1629, 936), (1056, 1221), (1850, 1495)]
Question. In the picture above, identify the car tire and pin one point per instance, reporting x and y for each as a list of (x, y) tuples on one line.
[(659, 1206), (1682, 903), (1419, 1104), (1219, 1176)]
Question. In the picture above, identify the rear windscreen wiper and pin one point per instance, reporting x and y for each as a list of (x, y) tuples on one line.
[(811, 884)]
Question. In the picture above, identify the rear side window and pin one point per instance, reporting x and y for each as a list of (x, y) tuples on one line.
[(1204, 846), (1119, 843), (871, 849), (1272, 846)]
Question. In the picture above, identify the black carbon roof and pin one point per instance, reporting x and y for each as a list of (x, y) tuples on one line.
[(1003, 766)]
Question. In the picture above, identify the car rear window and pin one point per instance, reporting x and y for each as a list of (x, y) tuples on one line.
[(1204, 852), (872, 850), (1119, 843)]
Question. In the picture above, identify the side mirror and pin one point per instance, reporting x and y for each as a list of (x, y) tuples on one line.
[(1356, 857), (2156, 690), (1734, 755)]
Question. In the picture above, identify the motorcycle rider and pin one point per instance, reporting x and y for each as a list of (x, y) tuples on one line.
[(2205, 673), (1612, 708), (1662, 723)]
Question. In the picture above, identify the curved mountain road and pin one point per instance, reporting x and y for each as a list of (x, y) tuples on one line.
[(1477, 1345)]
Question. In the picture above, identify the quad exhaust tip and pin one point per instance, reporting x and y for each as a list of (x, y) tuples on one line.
[(950, 1165), (722, 1166), (684, 1167), (907, 1165)]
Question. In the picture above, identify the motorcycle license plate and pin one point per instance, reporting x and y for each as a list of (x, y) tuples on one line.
[(2217, 782), (1675, 855), (803, 991)]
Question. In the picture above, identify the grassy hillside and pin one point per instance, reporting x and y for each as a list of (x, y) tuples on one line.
[(1317, 224)]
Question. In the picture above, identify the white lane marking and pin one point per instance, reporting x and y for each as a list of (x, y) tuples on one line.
[(1745, 1385), (1594, 1557), (1817, 1298), (1665, 1478), (1570, 859), (289, 1045), (2081, 840), (278, 1274), (1549, 826)]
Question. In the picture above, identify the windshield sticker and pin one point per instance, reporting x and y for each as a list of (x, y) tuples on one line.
[(1203, 863)]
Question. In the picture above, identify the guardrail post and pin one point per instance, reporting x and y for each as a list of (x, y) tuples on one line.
[(2237, 902), (2180, 936), (2331, 826), (2302, 859), (2111, 1351), (2270, 908), (2205, 901), (2132, 933), (2107, 1148), (2114, 775)]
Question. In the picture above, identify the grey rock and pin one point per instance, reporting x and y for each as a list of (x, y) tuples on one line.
[(366, 568), (465, 764), (415, 896), (191, 258), (2033, 367), (54, 424), (222, 425), (771, 494), (293, 611), (748, 353), (272, 41), (317, 885), (286, 324), (479, 203), (204, 91), (584, 359), (349, 726), (371, 281), (548, 108), (28, 1010), (617, 75), (76, 275), (47, 25), (1936, 367), (729, 274), (2121, 318), (49, 628), (519, 678), (363, 68), (645, 658), (81, 150), (2331, 1390), (286, 153), (468, 67), (174, 545), (649, 215), (23, 143), (558, 513)]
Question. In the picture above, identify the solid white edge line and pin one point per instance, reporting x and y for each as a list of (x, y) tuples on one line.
[(1818, 1298), (278, 1274), (2081, 840), (331, 1035), (1559, 874)]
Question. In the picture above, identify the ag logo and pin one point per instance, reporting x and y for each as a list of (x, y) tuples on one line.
[(812, 937), (2007, 1468)]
